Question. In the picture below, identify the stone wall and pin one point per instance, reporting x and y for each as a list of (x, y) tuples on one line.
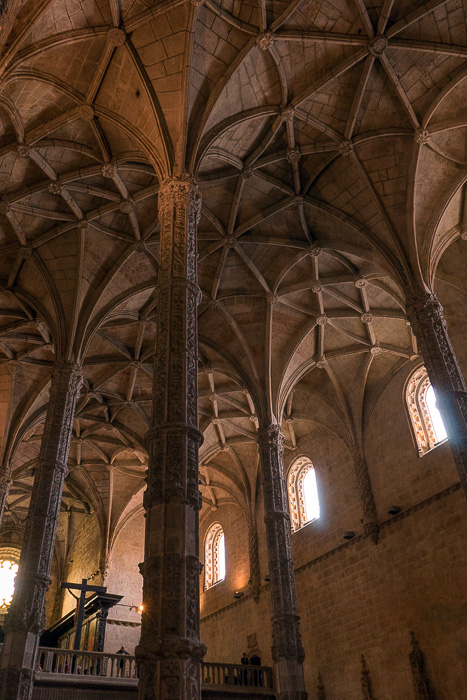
[(356, 597), (123, 578), (83, 559)]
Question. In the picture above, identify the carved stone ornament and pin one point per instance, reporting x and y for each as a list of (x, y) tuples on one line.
[(247, 173), (86, 112), (376, 349), (82, 225), (317, 288), (55, 188), (272, 298), (230, 241), (315, 251), (366, 318), (26, 617), (322, 362), (345, 148), (422, 136), (109, 170), (23, 150), (360, 283), (127, 206), (170, 652), (265, 40), (378, 45), (116, 36), (287, 644), (429, 326), (287, 114), (322, 320), (293, 156)]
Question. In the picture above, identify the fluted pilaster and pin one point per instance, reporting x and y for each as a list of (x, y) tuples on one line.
[(287, 647), (170, 651), (426, 317), (26, 618)]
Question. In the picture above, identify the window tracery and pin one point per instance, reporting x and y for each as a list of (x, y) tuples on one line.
[(303, 493), (425, 418), (214, 555)]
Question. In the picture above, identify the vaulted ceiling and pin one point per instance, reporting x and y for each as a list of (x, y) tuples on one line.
[(329, 141)]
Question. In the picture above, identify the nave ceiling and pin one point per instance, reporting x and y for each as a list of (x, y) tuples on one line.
[(329, 142)]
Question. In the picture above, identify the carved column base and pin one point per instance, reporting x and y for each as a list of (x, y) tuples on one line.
[(170, 668), (19, 657)]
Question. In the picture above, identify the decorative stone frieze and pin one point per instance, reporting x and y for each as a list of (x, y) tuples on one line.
[(426, 317), (287, 647), (26, 618), (170, 652)]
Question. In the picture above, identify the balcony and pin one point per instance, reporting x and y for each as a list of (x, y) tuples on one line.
[(86, 675)]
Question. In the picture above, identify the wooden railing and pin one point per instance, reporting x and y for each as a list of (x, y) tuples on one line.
[(257, 677), (86, 663)]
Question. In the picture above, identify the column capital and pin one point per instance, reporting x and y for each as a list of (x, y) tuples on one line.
[(271, 435), (424, 303), (180, 191)]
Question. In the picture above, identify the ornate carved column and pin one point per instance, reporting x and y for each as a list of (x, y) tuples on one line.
[(5, 483), (26, 618), (287, 649), (253, 550), (370, 518), (170, 652), (426, 317)]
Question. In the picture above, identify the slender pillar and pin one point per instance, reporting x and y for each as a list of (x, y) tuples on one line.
[(287, 649), (170, 652), (426, 317), (5, 483), (370, 518), (26, 618)]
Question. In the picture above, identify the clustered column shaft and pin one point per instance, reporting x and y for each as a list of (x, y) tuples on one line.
[(287, 644), (26, 617), (426, 317), (170, 652)]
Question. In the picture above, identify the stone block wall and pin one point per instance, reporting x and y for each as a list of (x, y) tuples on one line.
[(356, 597)]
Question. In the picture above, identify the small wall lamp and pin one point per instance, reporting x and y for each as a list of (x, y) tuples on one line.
[(393, 510), (349, 534), (238, 594)]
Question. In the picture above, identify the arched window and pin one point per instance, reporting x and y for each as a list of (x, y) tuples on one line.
[(426, 420), (8, 571), (214, 555), (303, 493)]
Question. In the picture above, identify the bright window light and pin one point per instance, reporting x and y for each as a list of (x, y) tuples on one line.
[(8, 571), (435, 415), (221, 557), (310, 491)]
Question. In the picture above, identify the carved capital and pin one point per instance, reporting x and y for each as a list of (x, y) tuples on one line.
[(180, 192)]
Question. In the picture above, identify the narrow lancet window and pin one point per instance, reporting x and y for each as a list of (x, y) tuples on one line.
[(8, 571), (427, 424), (303, 493), (214, 555)]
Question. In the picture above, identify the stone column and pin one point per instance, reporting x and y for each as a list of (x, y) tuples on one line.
[(5, 483), (287, 649), (26, 618), (170, 652), (253, 551), (426, 317)]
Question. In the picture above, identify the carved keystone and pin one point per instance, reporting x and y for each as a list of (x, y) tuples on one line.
[(86, 112), (287, 114), (366, 318), (55, 188), (378, 45), (116, 36), (345, 148), (127, 206), (109, 170), (23, 150), (422, 136), (265, 41)]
